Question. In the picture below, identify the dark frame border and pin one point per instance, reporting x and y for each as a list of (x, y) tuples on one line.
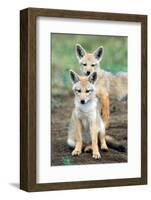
[(28, 98)]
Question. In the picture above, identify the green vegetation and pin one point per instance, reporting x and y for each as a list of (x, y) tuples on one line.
[(67, 161), (64, 58)]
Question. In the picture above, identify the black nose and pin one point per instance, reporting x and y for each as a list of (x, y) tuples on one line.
[(82, 102), (88, 73)]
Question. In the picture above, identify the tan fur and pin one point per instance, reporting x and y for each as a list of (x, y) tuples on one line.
[(105, 105), (108, 85), (94, 136), (78, 136), (86, 124)]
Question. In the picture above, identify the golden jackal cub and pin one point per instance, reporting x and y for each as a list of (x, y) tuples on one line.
[(86, 124), (108, 84)]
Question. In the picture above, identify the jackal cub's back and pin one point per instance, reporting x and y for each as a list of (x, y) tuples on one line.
[(86, 123)]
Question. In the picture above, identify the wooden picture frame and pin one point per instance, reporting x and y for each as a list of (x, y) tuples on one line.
[(28, 98)]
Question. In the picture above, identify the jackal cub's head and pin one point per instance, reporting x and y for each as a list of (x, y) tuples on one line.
[(83, 86), (89, 62)]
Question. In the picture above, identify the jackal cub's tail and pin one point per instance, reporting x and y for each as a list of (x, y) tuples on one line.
[(114, 144)]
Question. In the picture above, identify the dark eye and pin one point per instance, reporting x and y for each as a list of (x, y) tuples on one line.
[(87, 91), (84, 64), (78, 91), (93, 65)]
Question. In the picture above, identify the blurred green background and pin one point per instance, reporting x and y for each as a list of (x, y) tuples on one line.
[(63, 56)]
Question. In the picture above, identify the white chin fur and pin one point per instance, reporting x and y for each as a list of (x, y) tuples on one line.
[(71, 143)]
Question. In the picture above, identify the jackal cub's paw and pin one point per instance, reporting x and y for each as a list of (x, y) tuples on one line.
[(104, 147), (76, 152), (96, 155), (88, 148)]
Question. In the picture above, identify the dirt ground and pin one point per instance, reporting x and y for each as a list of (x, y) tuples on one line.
[(61, 154)]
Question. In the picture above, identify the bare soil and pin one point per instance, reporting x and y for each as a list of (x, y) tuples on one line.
[(60, 152)]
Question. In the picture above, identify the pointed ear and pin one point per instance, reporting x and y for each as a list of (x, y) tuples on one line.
[(80, 51), (98, 53), (74, 76), (92, 77)]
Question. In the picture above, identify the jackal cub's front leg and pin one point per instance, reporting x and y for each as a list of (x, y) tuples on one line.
[(78, 136), (94, 137)]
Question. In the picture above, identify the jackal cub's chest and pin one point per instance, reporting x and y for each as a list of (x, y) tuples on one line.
[(87, 114)]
